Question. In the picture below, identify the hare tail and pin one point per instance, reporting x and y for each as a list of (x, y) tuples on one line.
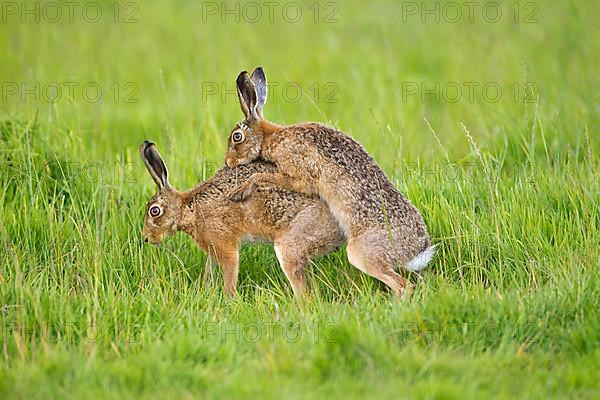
[(421, 260)]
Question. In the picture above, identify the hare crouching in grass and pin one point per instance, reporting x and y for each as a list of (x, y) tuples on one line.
[(300, 227), (384, 230)]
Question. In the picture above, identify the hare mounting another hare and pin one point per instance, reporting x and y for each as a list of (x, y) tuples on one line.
[(384, 229)]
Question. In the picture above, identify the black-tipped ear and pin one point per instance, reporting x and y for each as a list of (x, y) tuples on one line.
[(260, 83), (247, 95), (155, 165)]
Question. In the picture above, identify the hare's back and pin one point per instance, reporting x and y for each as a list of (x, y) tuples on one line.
[(269, 206), (225, 180), (337, 152), (349, 177)]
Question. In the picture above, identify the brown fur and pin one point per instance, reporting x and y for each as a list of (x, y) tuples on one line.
[(385, 231), (300, 227)]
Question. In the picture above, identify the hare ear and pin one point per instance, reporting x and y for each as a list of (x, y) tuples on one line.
[(247, 95), (155, 165), (260, 83)]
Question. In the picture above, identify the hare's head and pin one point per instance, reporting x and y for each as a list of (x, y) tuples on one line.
[(163, 210), (245, 140)]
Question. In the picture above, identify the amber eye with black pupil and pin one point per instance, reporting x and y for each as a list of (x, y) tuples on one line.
[(237, 137), (155, 211)]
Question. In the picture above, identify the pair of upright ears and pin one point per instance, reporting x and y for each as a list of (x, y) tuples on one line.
[(252, 92)]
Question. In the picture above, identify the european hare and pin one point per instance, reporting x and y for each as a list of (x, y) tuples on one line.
[(300, 227), (384, 230)]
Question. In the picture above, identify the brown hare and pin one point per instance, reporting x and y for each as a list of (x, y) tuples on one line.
[(384, 230), (300, 227)]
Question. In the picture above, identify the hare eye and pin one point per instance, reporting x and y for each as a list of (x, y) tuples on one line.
[(237, 137), (155, 211)]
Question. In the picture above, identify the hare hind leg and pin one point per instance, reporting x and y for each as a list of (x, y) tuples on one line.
[(313, 232), (374, 259), (293, 261)]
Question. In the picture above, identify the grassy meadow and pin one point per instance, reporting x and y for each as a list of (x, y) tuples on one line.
[(489, 123)]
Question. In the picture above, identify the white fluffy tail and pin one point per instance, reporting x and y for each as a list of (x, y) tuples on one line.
[(421, 260)]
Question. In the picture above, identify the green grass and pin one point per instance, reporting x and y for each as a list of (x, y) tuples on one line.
[(509, 189)]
